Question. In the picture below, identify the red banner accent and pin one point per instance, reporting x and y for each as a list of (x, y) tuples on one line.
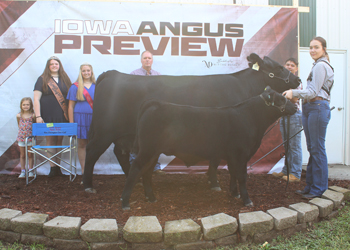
[(87, 96), (10, 11)]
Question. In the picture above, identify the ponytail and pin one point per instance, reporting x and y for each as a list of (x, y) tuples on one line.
[(327, 56)]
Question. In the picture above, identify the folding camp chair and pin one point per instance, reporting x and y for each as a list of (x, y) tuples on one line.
[(53, 129)]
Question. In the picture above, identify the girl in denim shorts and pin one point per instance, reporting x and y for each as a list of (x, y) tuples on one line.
[(25, 120)]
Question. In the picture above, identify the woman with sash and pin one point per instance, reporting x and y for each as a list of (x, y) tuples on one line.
[(81, 97), (50, 104)]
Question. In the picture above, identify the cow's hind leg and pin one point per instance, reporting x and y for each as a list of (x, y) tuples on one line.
[(94, 149), (212, 175), (133, 177)]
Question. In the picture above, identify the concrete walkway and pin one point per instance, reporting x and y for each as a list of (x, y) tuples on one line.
[(335, 171), (338, 172)]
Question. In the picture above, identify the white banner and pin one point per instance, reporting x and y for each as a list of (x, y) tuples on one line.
[(185, 40)]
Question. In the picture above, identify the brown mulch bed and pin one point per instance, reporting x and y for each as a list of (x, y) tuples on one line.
[(179, 196)]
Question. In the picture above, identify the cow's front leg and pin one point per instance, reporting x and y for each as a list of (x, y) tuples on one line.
[(212, 175), (147, 181), (123, 159), (233, 181), (231, 163), (94, 149), (242, 182), (133, 177)]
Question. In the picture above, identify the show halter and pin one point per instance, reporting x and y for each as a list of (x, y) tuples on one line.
[(272, 75), (282, 107)]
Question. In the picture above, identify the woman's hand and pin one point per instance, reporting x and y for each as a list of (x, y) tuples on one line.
[(36, 104), (288, 94), (71, 106), (39, 120)]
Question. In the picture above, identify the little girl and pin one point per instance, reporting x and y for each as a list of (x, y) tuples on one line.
[(25, 120)]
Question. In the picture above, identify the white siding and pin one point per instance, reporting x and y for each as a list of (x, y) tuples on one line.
[(333, 24), (244, 2), (187, 1), (253, 2)]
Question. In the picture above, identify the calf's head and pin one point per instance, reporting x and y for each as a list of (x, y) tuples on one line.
[(277, 100), (275, 75)]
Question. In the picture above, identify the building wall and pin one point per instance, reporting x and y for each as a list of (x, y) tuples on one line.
[(333, 25), (187, 1)]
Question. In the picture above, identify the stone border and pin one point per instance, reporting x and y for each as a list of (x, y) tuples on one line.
[(145, 232)]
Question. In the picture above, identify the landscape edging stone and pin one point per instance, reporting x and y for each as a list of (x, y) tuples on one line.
[(256, 236)]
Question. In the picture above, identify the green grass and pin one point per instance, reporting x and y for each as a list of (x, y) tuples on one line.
[(332, 234), (17, 246)]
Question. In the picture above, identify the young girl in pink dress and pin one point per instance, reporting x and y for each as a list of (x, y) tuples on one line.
[(25, 120)]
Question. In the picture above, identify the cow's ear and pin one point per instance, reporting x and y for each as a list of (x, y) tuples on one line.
[(253, 59), (268, 88), (268, 92)]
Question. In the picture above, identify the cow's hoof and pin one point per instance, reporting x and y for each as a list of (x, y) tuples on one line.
[(236, 195), (151, 200), (90, 190), (249, 204), (139, 184), (216, 189)]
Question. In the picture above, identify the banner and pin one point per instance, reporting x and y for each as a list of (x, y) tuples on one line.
[(185, 39)]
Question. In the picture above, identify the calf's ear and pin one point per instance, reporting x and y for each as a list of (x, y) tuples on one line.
[(267, 89)]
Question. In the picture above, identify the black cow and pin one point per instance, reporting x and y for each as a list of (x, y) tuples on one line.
[(119, 96), (193, 134)]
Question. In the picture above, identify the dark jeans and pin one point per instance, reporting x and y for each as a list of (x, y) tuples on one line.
[(316, 116)]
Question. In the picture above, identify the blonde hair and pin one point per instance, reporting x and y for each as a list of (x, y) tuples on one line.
[(80, 81), (31, 107)]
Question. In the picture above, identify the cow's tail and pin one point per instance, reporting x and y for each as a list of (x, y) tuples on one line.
[(91, 131), (144, 106)]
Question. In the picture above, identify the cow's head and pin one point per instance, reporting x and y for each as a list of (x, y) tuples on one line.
[(277, 100), (275, 75)]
